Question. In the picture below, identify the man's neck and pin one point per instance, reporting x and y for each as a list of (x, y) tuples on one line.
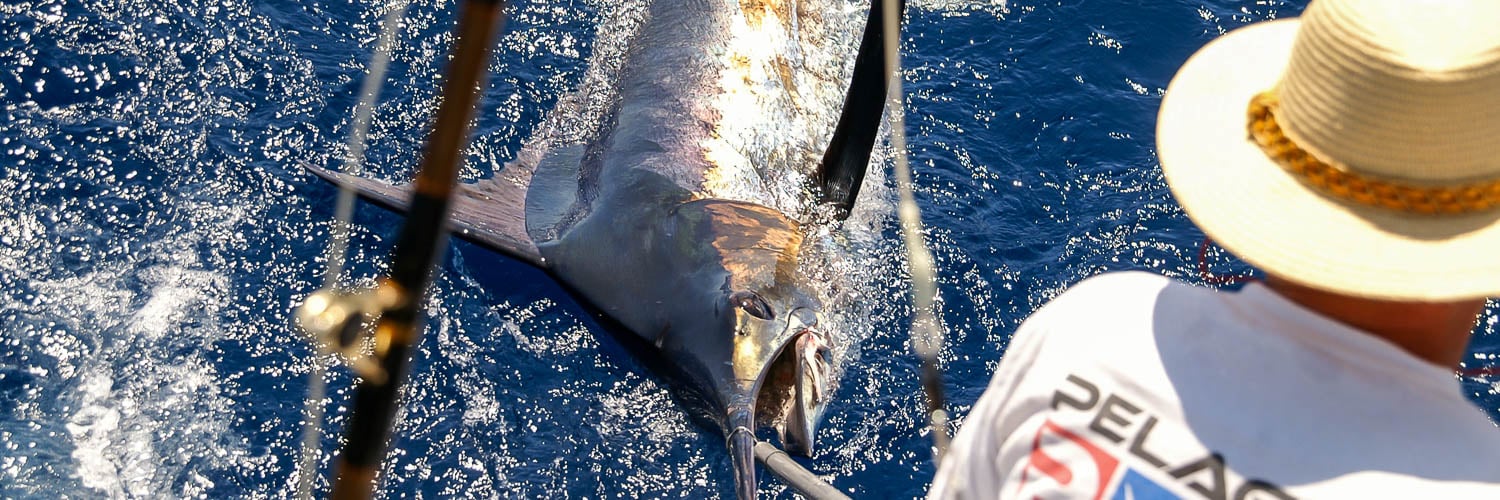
[(1437, 332)]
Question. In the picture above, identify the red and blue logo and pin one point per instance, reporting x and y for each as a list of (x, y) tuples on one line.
[(1063, 464)]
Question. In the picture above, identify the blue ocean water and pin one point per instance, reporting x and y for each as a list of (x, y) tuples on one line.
[(158, 232)]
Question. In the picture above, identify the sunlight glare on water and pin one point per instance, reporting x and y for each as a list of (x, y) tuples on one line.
[(159, 229)]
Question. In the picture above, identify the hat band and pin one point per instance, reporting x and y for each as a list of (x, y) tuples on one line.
[(1361, 189)]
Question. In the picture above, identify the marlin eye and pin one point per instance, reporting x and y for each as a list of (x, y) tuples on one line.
[(753, 304)]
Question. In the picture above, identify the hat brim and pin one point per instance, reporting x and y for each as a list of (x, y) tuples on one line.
[(1251, 206)]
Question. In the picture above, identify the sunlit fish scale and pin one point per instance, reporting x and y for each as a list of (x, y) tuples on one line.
[(762, 80)]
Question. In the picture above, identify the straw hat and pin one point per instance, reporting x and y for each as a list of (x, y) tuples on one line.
[(1355, 149)]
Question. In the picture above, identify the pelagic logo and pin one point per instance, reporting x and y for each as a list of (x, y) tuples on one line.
[(1074, 467), (1080, 462)]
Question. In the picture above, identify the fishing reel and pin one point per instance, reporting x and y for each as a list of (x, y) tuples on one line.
[(343, 322)]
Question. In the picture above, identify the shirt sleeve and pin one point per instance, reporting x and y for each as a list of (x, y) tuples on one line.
[(971, 468)]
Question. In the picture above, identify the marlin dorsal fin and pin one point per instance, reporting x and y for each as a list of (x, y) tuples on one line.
[(489, 212)]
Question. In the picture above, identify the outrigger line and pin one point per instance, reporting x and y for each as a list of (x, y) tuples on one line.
[(926, 325)]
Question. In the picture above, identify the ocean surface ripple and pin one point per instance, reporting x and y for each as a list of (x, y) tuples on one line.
[(159, 230)]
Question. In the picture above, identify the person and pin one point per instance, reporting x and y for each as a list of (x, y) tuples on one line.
[(1352, 155)]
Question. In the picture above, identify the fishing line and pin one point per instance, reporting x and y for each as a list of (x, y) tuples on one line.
[(338, 244), (1217, 279), (926, 330), (355, 150)]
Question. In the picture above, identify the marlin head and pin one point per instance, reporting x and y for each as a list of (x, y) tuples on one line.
[(745, 323), (794, 385)]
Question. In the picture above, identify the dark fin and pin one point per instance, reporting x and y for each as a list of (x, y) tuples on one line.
[(848, 154), (741, 446), (488, 212), (552, 200)]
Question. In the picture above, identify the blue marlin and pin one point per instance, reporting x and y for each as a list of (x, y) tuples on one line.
[(681, 214)]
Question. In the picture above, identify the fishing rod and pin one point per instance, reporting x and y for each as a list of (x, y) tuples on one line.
[(394, 305), (876, 86)]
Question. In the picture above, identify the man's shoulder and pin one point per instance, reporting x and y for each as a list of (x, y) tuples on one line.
[(1119, 310), (1123, 292), (1121, 282)]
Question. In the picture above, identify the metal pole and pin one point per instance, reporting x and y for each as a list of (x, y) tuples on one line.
[(793, 474)]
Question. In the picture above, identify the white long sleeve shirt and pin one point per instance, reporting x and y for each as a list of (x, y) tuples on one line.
[(1130, 385)]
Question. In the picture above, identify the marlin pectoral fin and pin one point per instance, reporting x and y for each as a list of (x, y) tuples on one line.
[(848, 154), (487, 212), (553, 201)]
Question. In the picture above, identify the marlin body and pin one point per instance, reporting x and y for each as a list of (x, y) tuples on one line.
[(681, 212)]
